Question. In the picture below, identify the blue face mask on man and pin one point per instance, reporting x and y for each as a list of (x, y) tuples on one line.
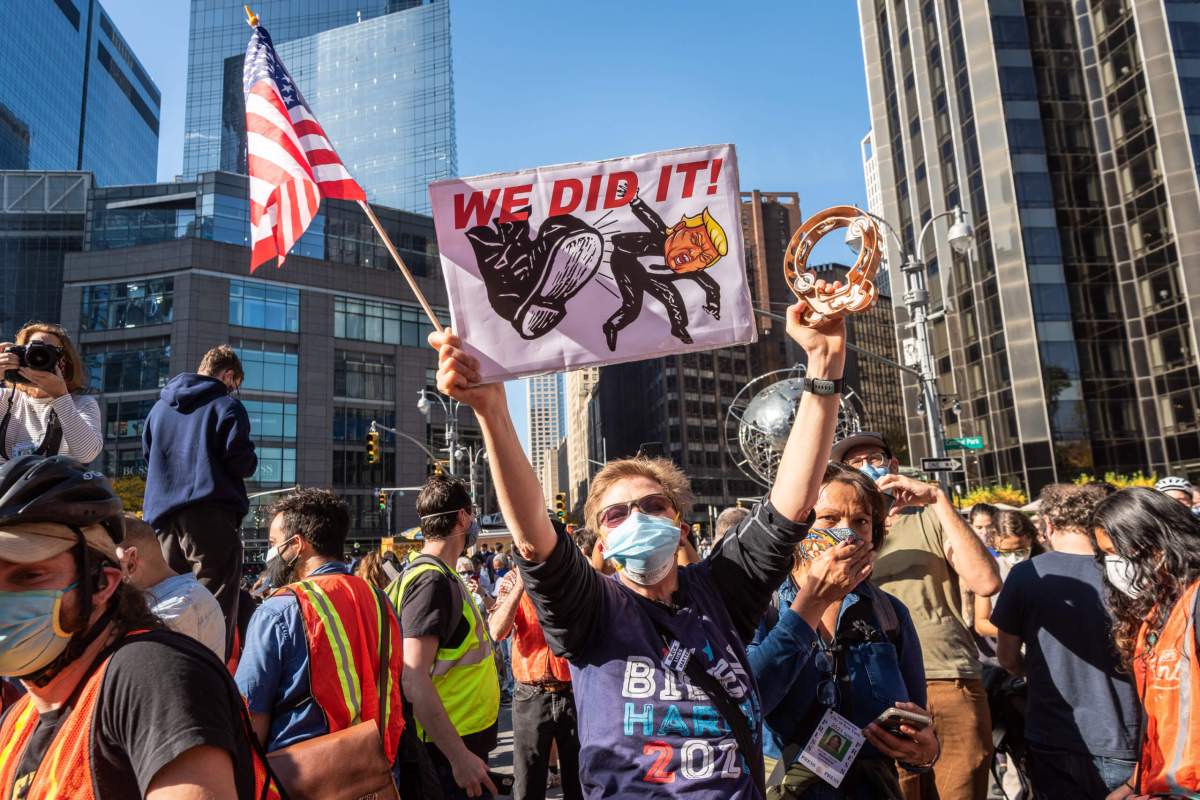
[(31, 634), (644, 546), (873, 472)]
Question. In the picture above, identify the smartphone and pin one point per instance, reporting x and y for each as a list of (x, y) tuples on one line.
[(503, 782), (891, 720)]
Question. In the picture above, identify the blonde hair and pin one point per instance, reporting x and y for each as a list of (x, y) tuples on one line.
[(674, 483), (716, 234), (74, 374), (221, 358)]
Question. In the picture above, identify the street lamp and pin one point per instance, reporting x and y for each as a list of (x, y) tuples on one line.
[(960, 237), (450, 409)]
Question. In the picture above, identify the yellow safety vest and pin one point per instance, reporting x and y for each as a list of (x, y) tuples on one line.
[(465, 676)]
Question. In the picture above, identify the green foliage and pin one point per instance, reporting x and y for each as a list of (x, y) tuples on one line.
[(1005, 493), (131, 489), (1120, 481)]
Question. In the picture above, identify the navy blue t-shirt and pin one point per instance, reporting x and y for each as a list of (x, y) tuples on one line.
[(644, 729), (1079, 698)]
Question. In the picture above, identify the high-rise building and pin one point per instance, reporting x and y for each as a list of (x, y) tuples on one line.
[(875, 206), (73, 96), (582, 448), (329, 343), (41, 220), (377, 74), (543, 394), (1070, 133), (873, 379)]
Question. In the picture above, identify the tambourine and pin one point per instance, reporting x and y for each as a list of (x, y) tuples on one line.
[(859, 292)]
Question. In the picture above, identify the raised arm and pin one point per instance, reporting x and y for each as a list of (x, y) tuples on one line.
[(517, 487), (798, 480)]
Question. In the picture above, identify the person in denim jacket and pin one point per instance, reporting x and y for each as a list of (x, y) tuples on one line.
[(834, 641)]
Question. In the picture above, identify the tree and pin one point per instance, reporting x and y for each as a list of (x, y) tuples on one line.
[(1120, 481), (1005, 493), (131, 489)]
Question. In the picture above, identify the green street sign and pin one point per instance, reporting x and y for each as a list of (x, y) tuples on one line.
[(965, 443)]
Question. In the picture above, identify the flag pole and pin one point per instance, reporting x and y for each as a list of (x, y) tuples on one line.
[(252, 21), (412, 284)]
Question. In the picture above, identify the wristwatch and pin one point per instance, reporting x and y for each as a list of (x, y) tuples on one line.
[(821, 386)]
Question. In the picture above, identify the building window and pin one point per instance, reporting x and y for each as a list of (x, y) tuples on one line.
[(350, 469), (112, 306), (387, 323), (147, 365), (364, 376), (268, 367), (352, 424), (276, 466), (262, 305), (270, 420), (126, 419)]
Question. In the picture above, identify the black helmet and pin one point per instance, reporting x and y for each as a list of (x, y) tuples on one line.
[(59, 489)]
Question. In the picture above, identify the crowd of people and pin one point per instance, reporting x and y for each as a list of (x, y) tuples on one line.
[(851, 635)]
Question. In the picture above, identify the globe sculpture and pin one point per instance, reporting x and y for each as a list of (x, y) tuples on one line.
[(760, 419)]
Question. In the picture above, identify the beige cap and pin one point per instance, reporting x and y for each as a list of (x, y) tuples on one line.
[(27, 542)]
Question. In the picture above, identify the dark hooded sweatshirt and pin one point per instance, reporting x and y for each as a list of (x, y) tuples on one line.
[(197, 448)]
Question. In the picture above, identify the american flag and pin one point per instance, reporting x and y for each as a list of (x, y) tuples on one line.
[(291, 162)]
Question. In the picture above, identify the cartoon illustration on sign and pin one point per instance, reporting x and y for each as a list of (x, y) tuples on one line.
[(529, 281), (692, 245)]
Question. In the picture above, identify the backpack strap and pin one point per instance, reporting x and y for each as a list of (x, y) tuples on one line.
[(885, 615)]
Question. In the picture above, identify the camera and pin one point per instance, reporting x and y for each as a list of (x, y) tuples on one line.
[(35, 355)]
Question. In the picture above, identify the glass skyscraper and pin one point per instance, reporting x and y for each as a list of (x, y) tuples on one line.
[(376, 74), (73, 96), (1070, 132)]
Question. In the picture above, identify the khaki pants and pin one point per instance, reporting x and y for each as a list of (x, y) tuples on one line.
[(964, 728)]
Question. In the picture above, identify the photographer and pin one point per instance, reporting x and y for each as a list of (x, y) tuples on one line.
[(43, 409)]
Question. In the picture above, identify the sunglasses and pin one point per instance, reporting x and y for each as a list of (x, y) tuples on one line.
[(656, 505)]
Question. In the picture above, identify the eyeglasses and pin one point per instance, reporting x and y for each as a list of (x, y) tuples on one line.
[(828, 693), (874, 459), (656, 505)]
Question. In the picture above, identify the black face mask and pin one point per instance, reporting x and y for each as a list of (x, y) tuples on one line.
[(281, 572)]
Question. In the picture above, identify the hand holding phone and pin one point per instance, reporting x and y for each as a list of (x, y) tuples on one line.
[(892, 718)]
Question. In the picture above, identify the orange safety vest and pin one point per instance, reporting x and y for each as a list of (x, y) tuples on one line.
[(343, 616), (532, 661), (1168, 679), (66, 768)]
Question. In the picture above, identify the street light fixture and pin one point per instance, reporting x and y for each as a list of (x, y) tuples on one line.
[(960, 237)]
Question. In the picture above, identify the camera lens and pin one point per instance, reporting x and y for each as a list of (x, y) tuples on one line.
[(41, 357)]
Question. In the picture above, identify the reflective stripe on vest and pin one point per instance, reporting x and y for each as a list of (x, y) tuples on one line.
[(1168, 678), (343, 617), (66, 768), (465, 676)]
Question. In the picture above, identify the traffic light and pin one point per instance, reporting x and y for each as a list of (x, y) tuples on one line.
[(373, 447), (382, 500), (560, 505)]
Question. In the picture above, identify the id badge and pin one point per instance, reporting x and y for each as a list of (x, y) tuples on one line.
[(23, 449), (832, 749)]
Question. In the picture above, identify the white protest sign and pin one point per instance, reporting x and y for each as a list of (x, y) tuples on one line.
[(562, 267)]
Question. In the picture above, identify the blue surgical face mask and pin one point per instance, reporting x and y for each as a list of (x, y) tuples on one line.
[(873, 472), (644, 546), (473, 532), (30, 634)]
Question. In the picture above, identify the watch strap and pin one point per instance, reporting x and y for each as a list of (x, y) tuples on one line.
[(822, 386)]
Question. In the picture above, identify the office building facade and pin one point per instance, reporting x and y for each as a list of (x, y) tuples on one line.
[(377, 75), (329, 343), (544, 399), (1070, 338), (583, 449), (41, 220), (73, 95)]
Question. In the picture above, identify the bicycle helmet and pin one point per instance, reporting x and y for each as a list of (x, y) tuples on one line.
[(1172, 483), (59, 489)]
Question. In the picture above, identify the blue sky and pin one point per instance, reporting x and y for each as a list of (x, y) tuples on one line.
[(540, 82)]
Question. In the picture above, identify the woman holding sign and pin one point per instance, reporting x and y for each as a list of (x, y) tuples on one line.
[(839, 660), (666, 703)]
